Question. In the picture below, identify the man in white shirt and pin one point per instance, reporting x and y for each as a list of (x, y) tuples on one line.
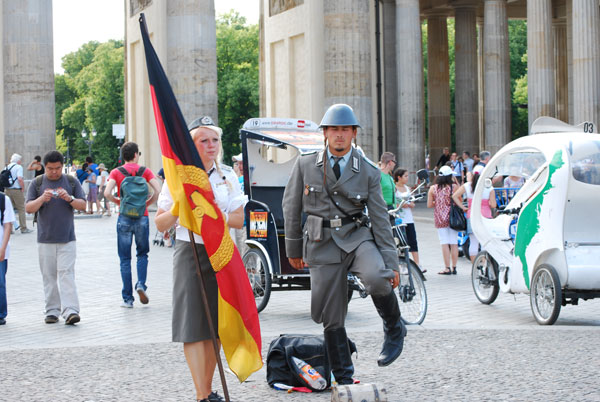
[(15, 192)]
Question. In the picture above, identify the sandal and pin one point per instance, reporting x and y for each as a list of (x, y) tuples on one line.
[(446, 271), (453, 270)]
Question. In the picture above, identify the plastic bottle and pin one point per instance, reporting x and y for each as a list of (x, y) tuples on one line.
[(311, 376)]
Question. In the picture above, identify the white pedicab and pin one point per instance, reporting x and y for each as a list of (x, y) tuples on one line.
[(546, 240)]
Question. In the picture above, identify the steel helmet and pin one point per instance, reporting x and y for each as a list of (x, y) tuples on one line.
[(339, 115)]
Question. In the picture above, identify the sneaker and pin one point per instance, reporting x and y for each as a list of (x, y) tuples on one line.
[(2, 321), (51, 319), (214, 397), (127, 304), (26, 230), (142, 293), (72, 319)]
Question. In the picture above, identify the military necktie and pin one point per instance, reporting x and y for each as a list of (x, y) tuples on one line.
[(336, 167)]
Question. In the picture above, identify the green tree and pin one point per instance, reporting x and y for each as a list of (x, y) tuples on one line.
[(517, 45), (89, 96), (237, 76)]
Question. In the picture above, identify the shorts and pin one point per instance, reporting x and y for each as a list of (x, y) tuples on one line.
[(448, 235)]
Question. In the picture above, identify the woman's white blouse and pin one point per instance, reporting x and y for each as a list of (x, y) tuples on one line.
[(228, 196)]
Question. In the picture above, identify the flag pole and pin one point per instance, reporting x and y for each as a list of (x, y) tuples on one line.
[(211, 325)]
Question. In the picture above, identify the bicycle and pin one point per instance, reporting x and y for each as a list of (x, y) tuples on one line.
[(412, 295)]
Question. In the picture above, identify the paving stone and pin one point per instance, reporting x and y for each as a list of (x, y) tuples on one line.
[(463, 351)]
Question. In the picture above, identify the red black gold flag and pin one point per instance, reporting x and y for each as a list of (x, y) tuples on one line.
[(194, 203)]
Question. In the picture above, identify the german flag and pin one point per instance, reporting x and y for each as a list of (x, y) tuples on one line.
[(194, 203)]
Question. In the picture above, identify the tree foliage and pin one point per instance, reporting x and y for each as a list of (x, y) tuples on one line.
[(237, 75), (517, 44), (89, 96)]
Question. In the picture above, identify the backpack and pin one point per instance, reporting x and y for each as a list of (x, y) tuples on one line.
[(6, 179), (134, 193), (309, 348)]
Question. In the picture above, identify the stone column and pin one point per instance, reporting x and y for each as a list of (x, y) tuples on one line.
[(496, 75), (411, 142), (27, 112), (481, 85), (347, 43), (466, 97), (438, 85), (390, 77), (540, 63), (561, 75), (586, 61), (192, 56), (569, 12)]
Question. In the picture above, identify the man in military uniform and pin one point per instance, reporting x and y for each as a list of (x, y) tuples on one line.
[(332, 188)]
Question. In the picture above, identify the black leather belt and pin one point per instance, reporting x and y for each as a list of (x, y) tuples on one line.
[(339, 222)]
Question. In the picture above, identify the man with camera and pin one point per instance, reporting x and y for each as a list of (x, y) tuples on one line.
[(54, 196)]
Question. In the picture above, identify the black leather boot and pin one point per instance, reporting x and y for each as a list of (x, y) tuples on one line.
[(393, 328), (338, 352)]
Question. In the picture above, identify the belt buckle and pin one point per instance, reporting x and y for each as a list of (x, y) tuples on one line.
[(335, 223)]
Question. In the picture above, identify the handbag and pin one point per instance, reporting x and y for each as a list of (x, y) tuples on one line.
[(457, 218)]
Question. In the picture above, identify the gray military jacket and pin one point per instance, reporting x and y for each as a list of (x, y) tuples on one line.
[(358, 186)]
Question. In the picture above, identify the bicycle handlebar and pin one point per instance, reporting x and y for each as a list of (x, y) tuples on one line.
[(404, 202)]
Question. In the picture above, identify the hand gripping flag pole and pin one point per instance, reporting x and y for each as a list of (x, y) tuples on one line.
[(194, 204)]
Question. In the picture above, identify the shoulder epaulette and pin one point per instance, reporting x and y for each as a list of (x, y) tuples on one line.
[(369, 161), (226, 168)]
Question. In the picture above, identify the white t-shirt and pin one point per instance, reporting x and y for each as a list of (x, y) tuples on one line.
[(9, 217), (15, 172), (228, 200), (406, 213), (100, 176)]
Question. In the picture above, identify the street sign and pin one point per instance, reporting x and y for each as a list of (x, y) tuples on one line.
[(118, 131)]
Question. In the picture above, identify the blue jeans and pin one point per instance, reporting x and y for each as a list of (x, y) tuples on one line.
[(126, 229), (3, 303)]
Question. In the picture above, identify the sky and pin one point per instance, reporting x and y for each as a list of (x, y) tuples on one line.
[(72, 29)]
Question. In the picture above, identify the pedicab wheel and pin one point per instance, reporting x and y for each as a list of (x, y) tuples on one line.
[(545, 295), (259, 277), (484, 278), (412, 300)]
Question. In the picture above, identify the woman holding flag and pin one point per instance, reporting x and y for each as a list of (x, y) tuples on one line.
[(189, 318)]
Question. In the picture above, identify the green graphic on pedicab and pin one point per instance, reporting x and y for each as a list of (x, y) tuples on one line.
[(529, 219)]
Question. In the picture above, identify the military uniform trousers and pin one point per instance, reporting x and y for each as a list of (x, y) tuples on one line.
[(329, 283)]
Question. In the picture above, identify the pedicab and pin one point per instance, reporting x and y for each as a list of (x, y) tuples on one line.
[(545, 241), (270, 147)]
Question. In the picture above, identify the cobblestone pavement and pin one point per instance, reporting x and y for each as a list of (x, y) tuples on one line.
[(463, 351)]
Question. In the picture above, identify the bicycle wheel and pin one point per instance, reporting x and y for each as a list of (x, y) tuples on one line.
[(484, 278), (259, 277), (412, 299)]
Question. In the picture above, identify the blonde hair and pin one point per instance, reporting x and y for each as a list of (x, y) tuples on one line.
[(219, 159)]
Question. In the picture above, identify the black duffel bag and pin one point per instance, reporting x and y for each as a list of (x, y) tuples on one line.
[(310, 348)]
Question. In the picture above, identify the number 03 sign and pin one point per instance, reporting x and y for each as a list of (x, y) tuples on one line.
[(258, 224)]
